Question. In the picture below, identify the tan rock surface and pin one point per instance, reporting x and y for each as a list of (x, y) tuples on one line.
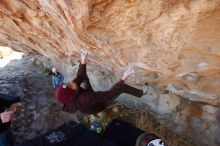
[(169, 38)]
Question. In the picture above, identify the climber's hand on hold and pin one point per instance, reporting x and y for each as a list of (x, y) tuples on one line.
[(84, 57), (127, 74)]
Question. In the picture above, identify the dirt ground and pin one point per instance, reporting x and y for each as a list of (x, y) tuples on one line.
[(140, 118)]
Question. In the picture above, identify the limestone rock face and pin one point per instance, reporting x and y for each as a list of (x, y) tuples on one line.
[(173, 45)]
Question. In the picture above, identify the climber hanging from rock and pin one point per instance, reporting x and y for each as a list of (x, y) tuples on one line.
[(73, 97)]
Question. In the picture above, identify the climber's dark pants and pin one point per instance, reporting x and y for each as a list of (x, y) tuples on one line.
[(114, 92), (91, 102), (125, 89), (130, 90)]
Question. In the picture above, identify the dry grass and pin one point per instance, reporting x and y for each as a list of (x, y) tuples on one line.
[(141, 119)]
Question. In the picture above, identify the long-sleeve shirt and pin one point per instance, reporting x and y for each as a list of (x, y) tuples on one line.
[(88, 101), (93, 102), (57, 79)]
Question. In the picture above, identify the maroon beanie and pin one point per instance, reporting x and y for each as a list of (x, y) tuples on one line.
[(65, 95)]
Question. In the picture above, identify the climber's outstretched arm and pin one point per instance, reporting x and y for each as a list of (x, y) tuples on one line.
[(81, 74)]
